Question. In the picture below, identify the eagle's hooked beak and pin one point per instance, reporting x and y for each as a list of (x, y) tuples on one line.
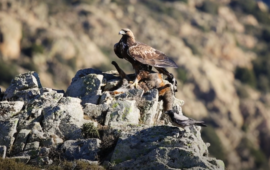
[(122, 32)]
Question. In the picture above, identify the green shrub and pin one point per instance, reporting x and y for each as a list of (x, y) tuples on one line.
[(245, 76), (182, 74), (266, 34), (72, 63), (77, 2), (90, 131), (246, 6), (37, 49), (29, 66), (109, 139), (160, 7), (259, 157), (7, 72), (210, 7), (253, 30), (34, 49), (261, 67), (81, 165), (262, 17), (263, 83), (65, 165), (185, 1), (192, 46), (242, 92), (250, 7), (216, 149)]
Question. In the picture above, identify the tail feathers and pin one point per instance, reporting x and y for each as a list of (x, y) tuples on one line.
[(200, 123), (190, 122)]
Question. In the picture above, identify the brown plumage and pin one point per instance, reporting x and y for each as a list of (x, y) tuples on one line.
[(142, 56), (150, 56)]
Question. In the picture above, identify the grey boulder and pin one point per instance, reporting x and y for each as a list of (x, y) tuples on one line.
[(8, 129), (65, 119), (81, 149), (162, 147), (22, 82), (122, 113), (10, 108)]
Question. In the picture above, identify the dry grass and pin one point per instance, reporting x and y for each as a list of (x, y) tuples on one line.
[(10, 164)]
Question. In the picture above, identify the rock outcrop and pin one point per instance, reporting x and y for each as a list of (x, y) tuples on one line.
[(36, 122)]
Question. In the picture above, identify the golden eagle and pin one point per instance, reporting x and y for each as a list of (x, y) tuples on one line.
[(142, 56)]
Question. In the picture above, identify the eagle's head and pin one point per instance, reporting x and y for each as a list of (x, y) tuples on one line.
[(126, 32)]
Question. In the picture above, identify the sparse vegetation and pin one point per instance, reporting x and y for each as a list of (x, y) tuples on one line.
[(77, 165), (266, 34), (261, 68), (8, 71), (11, 164), (250, 7), (33, 49), (259, 157), (81, 165), (72, 63), (90, 131), (160, 7), (216, 148), (185, 1), (252, 30), (192, 46), (210, 7), (29, 66), (109, 140), (76, 2), (242, 92), (182, 74), (246, 76)]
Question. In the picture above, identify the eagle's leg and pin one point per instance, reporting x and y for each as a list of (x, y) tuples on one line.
[(141, 75), (135, 84), (170, 77), (166, 94)]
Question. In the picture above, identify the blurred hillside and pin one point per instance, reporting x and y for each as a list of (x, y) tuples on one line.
[(221, 46)]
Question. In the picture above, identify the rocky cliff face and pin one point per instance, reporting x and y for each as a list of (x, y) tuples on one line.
[(123, 131)]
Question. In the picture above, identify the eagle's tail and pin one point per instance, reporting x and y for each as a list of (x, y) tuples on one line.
[(191, 122), (200, 123)]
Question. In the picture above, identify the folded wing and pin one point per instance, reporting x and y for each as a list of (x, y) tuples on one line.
[(150, 56)]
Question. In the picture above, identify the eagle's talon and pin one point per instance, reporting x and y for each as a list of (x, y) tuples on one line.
[(134, 85)]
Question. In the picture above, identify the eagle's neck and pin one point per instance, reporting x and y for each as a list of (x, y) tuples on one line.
[(129, 40)]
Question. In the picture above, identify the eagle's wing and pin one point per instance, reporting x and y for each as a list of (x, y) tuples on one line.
[(150, 56), (117, 50)]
